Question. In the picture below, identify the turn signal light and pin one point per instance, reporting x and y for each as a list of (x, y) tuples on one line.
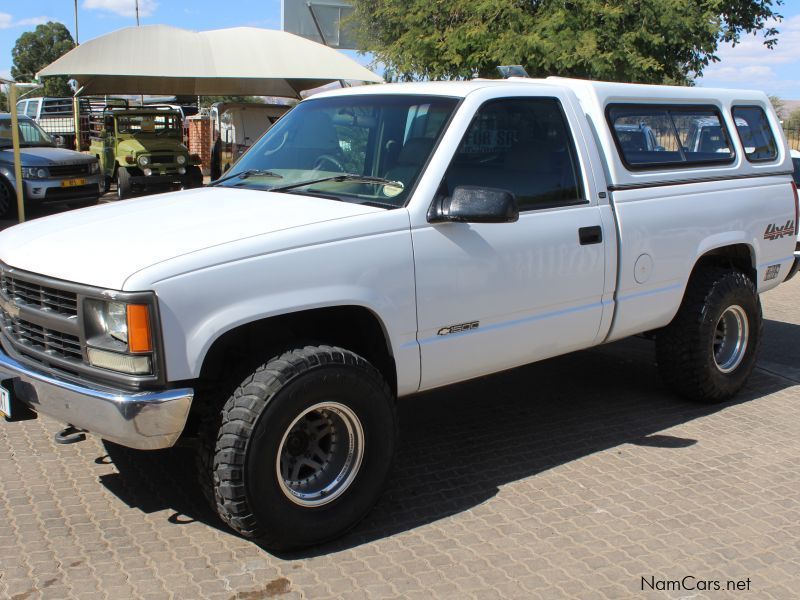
[(139, 338), (130, 160)]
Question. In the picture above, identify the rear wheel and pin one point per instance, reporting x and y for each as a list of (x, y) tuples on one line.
[(302, 448), (124, 186), (710, 348)]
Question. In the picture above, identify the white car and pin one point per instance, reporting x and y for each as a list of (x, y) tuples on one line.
[(384, 240)]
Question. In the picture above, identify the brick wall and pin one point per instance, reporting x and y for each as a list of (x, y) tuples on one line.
[(199, 140)]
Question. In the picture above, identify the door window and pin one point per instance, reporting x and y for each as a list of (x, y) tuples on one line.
[(522, 145)]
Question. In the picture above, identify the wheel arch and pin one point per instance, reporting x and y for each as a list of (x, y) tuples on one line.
[(351, 326), (739, 255)]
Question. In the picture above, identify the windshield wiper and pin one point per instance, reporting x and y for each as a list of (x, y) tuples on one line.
[(343, 177), (249, 173)]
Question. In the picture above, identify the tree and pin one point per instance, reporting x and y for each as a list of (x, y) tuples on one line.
[(650, 41), (3, 102), (206, 101), (778, 105), (36, 49)]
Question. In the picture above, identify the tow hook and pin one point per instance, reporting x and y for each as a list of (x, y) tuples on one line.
[(70, 435)]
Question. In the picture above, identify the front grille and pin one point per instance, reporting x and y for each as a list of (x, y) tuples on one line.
[(162, 159), (34, 295), (34, 337), (69, 170)]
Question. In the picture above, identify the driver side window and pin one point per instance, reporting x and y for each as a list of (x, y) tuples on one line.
[(522, 145)]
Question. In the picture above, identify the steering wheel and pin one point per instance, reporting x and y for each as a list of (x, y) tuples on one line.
[(329, 159)]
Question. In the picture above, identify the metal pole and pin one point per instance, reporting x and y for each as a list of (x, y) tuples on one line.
[(12, 101), (137, 13), (77, 43)]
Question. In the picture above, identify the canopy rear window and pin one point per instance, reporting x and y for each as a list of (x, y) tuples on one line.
[(669, 136)]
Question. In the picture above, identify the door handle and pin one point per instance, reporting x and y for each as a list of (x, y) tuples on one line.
[(590, 235)]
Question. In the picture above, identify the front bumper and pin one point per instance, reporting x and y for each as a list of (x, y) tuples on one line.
[(143, 420), (51, 190)]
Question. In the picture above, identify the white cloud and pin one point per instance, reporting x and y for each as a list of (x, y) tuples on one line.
[(123, 8), (752, 52), (7, 21)]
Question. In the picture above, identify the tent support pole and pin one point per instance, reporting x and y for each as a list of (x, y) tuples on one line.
[(12, 105)]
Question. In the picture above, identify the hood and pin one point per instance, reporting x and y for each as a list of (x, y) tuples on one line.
[(43, 156), (139, 145), (104, 245)]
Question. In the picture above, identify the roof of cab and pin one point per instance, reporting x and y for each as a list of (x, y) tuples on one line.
[(602, 91)]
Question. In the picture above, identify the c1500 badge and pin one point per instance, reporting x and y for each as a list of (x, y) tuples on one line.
[(775, 232), (458, 328)]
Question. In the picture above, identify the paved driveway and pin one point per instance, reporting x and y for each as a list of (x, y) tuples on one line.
[(576, 477)]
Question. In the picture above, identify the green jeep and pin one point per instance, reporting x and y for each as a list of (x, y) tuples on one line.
[(142, 149)]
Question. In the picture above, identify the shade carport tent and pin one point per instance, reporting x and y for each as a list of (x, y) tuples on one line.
[(241, 61)]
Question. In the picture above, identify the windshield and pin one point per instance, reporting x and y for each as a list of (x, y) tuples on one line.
[(166, 124), (30, 134), (367, 149)]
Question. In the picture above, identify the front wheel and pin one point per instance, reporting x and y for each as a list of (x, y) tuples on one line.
[(303, 448), (710, 348), (124, 185), (193, 178)]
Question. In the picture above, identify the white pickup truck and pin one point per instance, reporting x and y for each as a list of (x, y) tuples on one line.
[(385, 240)]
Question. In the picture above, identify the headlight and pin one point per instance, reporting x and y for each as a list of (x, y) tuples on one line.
[(119, 336), (34, 173), (94, 167), (144, 161), (181, 159)]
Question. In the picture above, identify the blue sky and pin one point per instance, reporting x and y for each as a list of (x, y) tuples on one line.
[(748, 65)]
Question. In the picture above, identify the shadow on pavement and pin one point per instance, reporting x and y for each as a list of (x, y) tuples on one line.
[(458, 445)]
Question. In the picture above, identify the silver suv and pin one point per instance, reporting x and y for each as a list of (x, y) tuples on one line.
[(49, 174)]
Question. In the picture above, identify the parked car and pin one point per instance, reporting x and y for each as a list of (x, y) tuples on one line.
[(50, 175), (142, 150), (235, 126), (55, 116), (637, 138), (385, 240)]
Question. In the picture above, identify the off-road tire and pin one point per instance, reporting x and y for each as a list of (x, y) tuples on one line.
[(193, 177), (124, 186), (685, 348), (8, 200), (239, 445)]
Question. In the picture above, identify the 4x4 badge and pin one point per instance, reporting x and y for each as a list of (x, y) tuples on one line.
[(774, 232)]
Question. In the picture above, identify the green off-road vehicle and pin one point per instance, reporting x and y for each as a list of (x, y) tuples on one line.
[(142, 150)]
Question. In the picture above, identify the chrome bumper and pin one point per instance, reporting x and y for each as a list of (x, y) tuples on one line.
[(144, 420)]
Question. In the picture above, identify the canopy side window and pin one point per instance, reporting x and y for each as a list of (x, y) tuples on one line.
[(755, 133), (666, 136)]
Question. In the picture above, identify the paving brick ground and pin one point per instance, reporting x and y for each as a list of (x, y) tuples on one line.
[(573, 478)]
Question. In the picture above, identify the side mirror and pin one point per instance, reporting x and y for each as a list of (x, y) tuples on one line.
[(472, 204)]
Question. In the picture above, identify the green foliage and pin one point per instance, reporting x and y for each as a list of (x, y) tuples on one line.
[(3, 102), (207, 101), (651, 41), (36, 49)]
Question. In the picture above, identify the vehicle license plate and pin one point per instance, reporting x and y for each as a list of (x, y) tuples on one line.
[(5, 402), (73, 182)]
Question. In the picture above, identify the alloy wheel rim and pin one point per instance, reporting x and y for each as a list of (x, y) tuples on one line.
[(320, 454), (731, 337)]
